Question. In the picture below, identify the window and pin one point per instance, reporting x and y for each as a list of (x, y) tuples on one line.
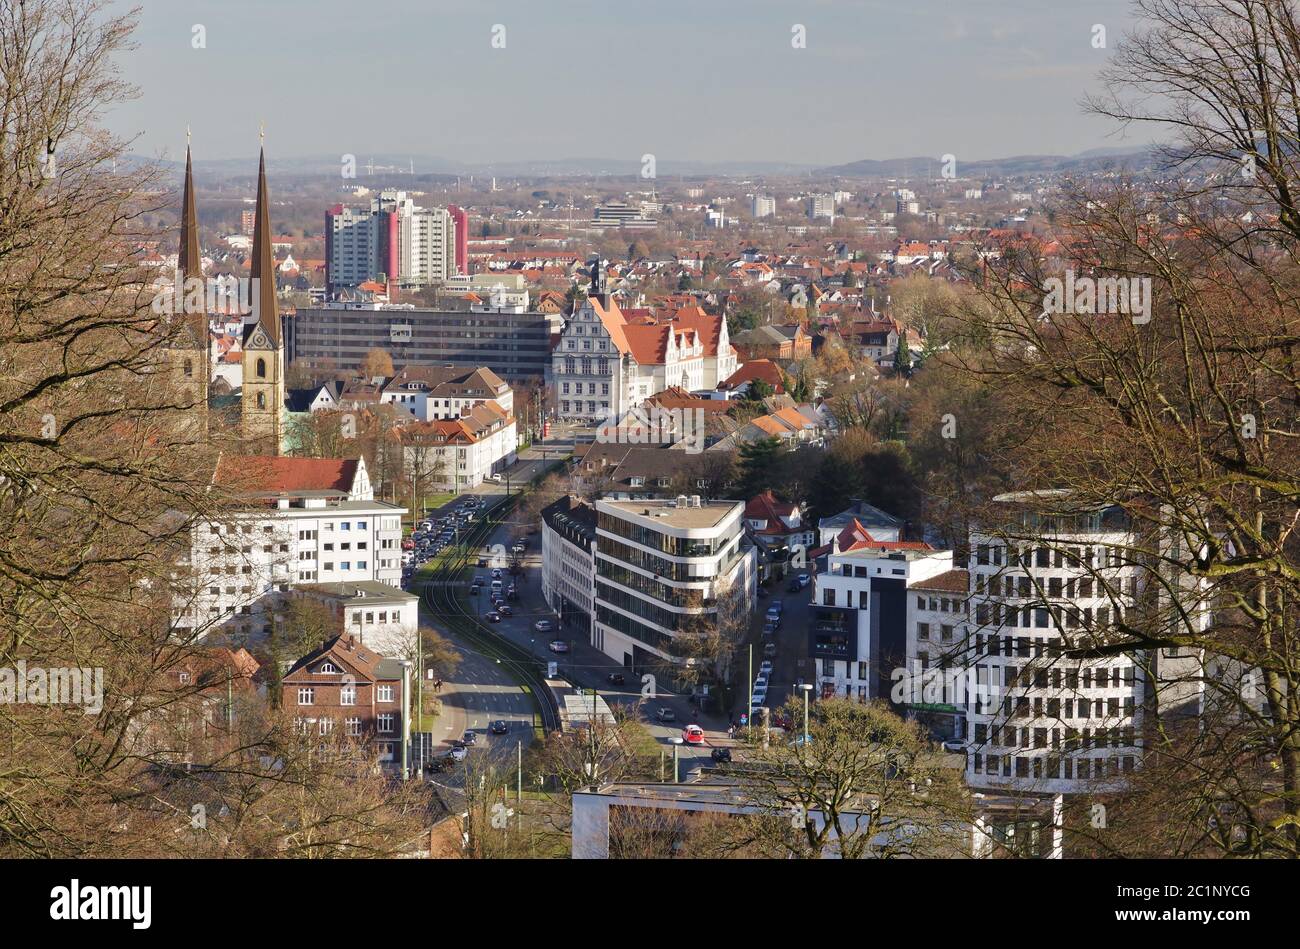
[(306, 696), (353, 726), (261, 370), (922, 630), (386, 722), (385, 693), (348, 694)]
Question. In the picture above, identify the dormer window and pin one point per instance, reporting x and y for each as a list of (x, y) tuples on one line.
[(327, 668)]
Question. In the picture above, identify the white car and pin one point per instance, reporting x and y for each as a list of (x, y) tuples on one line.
[(495, 478), (765, 668), (458, 753)]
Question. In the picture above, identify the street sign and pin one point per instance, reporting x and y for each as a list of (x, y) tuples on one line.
[(744, 718)]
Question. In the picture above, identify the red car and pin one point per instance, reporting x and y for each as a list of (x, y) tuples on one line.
[(693, 735)]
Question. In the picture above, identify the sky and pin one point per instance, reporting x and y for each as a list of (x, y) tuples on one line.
[(698, 80)]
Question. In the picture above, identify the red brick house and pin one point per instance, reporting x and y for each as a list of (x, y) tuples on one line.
[(347, 688)]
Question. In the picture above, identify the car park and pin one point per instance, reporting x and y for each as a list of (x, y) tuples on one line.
[(558, 645), (693, 735)]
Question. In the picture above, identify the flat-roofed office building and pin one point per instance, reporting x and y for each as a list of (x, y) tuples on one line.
[(513, 343)]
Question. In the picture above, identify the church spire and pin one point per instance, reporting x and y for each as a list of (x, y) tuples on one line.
[(189, 263), (263, 270)]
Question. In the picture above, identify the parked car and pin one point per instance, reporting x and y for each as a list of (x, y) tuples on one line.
[(558, 645), (616, 678), (496, 573), (457, 753), (493, 617), (765, 668), (778, 605), (543, 626), (804, 580), (494, 478), (769, 650), (693, 735), (482, 561), (469, 738), (665, 714), (721, 755), (505, 610), (499, 727), (769, 629)]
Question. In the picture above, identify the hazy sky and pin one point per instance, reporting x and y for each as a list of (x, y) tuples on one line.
[(689, 79)]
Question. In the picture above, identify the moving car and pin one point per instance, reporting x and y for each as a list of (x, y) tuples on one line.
[(693, 735), (558, 645), (505, 610), (721, 755), (665, 715), (493, 617), (616, 678), (543, 626), (469, 738), (457, 753), (499, 727)]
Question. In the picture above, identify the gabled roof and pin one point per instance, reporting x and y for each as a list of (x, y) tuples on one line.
[(263, 474), (857, 537), (950, 581), (767, 507), (348, 655), (763, 369)]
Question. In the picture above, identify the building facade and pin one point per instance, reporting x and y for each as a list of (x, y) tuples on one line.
[(569, 563), (290, 522), (663, 565)]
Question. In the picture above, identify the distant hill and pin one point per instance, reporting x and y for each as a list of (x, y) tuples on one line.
[(1097, 159)]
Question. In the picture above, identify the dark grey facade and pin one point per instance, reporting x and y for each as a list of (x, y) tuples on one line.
[(513, 345)]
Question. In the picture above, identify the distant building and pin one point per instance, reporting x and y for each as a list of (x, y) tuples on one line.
[(821, 206), (762, 206), (445, 392), (621, 214), (392, 241), (380, 616)]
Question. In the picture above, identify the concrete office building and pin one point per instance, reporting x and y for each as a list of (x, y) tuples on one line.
[(511, 342)]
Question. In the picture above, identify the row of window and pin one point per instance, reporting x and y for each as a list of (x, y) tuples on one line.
[(347, 693), (385, 724), (1052, 766)]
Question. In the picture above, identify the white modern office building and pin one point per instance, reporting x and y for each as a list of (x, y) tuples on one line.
[(287, 522), (662, 565), (569, 563), (861, 611), (1048, 577)]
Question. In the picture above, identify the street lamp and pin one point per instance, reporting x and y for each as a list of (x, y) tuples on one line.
[(806, 688)]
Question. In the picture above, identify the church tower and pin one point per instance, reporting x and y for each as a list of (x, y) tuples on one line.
[(190, 350), (262, 397)]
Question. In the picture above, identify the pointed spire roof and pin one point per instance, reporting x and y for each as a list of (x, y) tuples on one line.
[(263, 269), (189, 262)]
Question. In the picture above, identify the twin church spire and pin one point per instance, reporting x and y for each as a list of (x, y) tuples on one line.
[(262, 391)]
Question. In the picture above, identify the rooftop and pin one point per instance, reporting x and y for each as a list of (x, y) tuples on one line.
[(677, 512)]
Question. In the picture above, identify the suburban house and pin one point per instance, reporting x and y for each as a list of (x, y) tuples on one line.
[(346, 688)]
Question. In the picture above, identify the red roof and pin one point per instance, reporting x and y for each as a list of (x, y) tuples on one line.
[(266, 473), (857, 537), (763, 369)]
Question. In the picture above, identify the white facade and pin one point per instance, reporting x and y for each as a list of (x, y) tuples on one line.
[(250, 555), (379, 616), (1047, 723), (660, 564), (861, 611), (568, 565)]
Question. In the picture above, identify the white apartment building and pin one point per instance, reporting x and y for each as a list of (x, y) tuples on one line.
[(569, 563), (1038, 721), (410, 245), (292, 522), (861, 611), (821, 206), (762, 206), (454, 454), (662, 565)]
